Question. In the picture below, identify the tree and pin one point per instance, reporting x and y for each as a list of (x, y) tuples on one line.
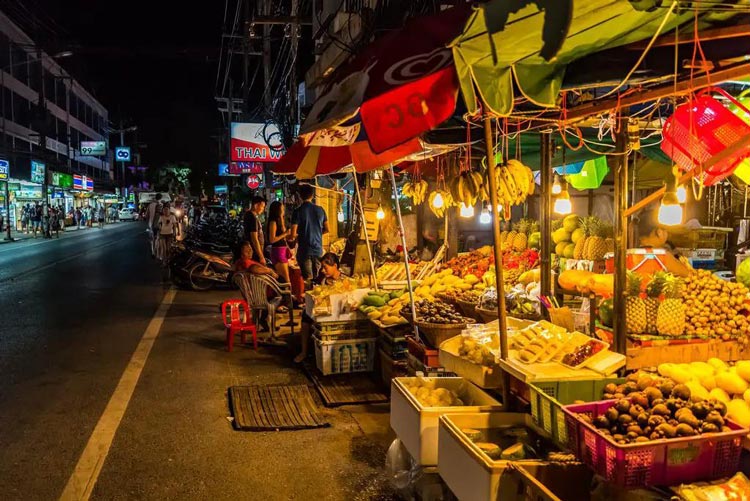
[(173, 178)]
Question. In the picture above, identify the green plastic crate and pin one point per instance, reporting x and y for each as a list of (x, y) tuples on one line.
[(547, 400)]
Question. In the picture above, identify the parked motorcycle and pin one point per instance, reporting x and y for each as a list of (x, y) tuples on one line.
[(200, 266)]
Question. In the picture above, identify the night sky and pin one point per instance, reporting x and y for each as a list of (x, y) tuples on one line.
[(153, 63)]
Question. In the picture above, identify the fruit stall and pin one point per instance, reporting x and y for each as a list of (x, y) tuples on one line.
[(594, 340)]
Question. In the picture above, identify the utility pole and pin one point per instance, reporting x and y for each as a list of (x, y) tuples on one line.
[(122, 143), (267, 56), (293, 74), (246, 59), (43, 139)]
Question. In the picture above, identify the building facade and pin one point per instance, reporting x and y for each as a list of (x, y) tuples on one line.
[(44, 116)]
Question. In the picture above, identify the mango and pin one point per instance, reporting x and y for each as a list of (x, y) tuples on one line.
[(717, 364), (719, 395), (697, 392), (731, 383), (739, 411), (471, 279), (743, 369), (374, 315)]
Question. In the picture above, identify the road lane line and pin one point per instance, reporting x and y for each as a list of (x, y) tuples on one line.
[(81, 483), (11, 246)]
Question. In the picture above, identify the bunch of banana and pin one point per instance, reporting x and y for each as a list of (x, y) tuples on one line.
[(447, 202), (466, 188), (416, 191), (515, 182)]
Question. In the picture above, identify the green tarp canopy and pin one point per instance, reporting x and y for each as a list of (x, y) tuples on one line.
[(490, 64)]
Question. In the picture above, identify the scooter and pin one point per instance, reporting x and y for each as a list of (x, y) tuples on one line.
[(200, 265)]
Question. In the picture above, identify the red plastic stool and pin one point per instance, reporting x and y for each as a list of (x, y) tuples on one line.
[(238, 321)]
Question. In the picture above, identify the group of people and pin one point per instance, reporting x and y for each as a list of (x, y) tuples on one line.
[(278, 242), (87, 216), (35, 220)]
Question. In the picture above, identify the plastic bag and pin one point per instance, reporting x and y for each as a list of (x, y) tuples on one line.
[(736, 488), (398, 464)]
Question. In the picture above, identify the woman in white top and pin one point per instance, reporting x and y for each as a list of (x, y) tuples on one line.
[(167, 229)]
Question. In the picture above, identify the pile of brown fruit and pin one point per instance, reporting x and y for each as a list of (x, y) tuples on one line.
[(436, 312), (653, 409)]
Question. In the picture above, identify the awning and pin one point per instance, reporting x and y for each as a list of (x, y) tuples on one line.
[(490, 64), (399, 87)]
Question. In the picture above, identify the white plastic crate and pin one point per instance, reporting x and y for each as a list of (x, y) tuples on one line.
[(347, 355)]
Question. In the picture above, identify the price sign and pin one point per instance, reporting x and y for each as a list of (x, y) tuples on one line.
[(93, 148)]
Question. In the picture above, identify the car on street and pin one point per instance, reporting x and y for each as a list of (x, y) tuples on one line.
[(128, 214)]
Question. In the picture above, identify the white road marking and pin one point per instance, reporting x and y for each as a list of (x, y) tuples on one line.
[(81, 483)]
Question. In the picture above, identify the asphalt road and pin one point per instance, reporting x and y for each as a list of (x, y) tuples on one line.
[(72, 312)]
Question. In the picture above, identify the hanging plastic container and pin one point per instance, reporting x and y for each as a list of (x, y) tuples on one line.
[(702, 128)]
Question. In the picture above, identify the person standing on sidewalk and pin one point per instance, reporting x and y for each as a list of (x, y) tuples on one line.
[(36, 219), (152, 220), (254, 228), (25, 219), (309, 224), (101, 216)]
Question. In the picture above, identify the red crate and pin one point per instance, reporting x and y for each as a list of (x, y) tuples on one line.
[(663, 462), (702, 128), (428, 356)]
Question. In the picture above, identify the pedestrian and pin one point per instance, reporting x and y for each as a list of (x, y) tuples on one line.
[(254, 228), (36, 219), (101, 216), (25, 219), (90, 216), (329, 274), (152, 220), (78, 215), (168, 229), (54, 217), (309, 224), (277, 237)]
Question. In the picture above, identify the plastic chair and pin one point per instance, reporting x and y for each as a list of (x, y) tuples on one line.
[(238, 321), (254, 289)]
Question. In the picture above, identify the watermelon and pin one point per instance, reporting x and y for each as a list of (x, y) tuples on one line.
[(606, 313), (743, 273)]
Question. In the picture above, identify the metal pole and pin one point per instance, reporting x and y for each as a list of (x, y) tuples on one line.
[(406, 253), (364, 228), (491, 172), (8, 235), (621, 232), (546, 212)]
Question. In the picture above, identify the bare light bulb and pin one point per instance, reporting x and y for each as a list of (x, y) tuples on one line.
[(467, 211), (340, 216), (485, 217), (670, 210), (437, 202), (380, 214), (562, 203), (681, 194), (556, 187)]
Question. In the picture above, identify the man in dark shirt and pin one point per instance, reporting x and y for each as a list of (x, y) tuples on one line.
[(309, 224), (254, 228)]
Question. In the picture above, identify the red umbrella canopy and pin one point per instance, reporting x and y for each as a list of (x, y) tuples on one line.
[(306, 162), (402, 85)]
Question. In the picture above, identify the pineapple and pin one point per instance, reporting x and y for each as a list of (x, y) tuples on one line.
[(635, 309), (533, 226), (556, 224), (510, 238), (670, 319), (580, 247), (654, 289), (503, 237), (596, 248), (520, 241)]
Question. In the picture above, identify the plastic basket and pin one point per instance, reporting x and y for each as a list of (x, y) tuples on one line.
[(427, 356), (350, 355), (701, 238), (660, 462), (547, 400), (702, 128)]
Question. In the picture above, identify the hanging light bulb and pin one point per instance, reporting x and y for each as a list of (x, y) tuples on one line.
[(467, 211), (485, 217), (681, 194), (556, 187), (380, 214), (562, 203), (437, 202), (670, 210), (340, 216)]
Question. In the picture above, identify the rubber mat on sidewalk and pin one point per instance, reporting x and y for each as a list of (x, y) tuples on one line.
[(275, 407), (345, 389)]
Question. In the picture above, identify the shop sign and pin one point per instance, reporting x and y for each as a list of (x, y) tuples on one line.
[(238, 168), (89, 183), (122, 153), (37, 172), (225, 170), (93, 148), (4, 170), (78, 183), (62, 180), (220, 189), (253, 181), (29, 192), (14, 186), (131, 197), (256, 142)]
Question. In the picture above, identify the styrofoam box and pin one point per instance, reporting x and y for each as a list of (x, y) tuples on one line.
[(484, 377), (468, 472), (417, 425)]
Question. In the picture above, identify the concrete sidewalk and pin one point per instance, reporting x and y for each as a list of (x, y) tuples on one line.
[(19, 237), (176, 441)]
